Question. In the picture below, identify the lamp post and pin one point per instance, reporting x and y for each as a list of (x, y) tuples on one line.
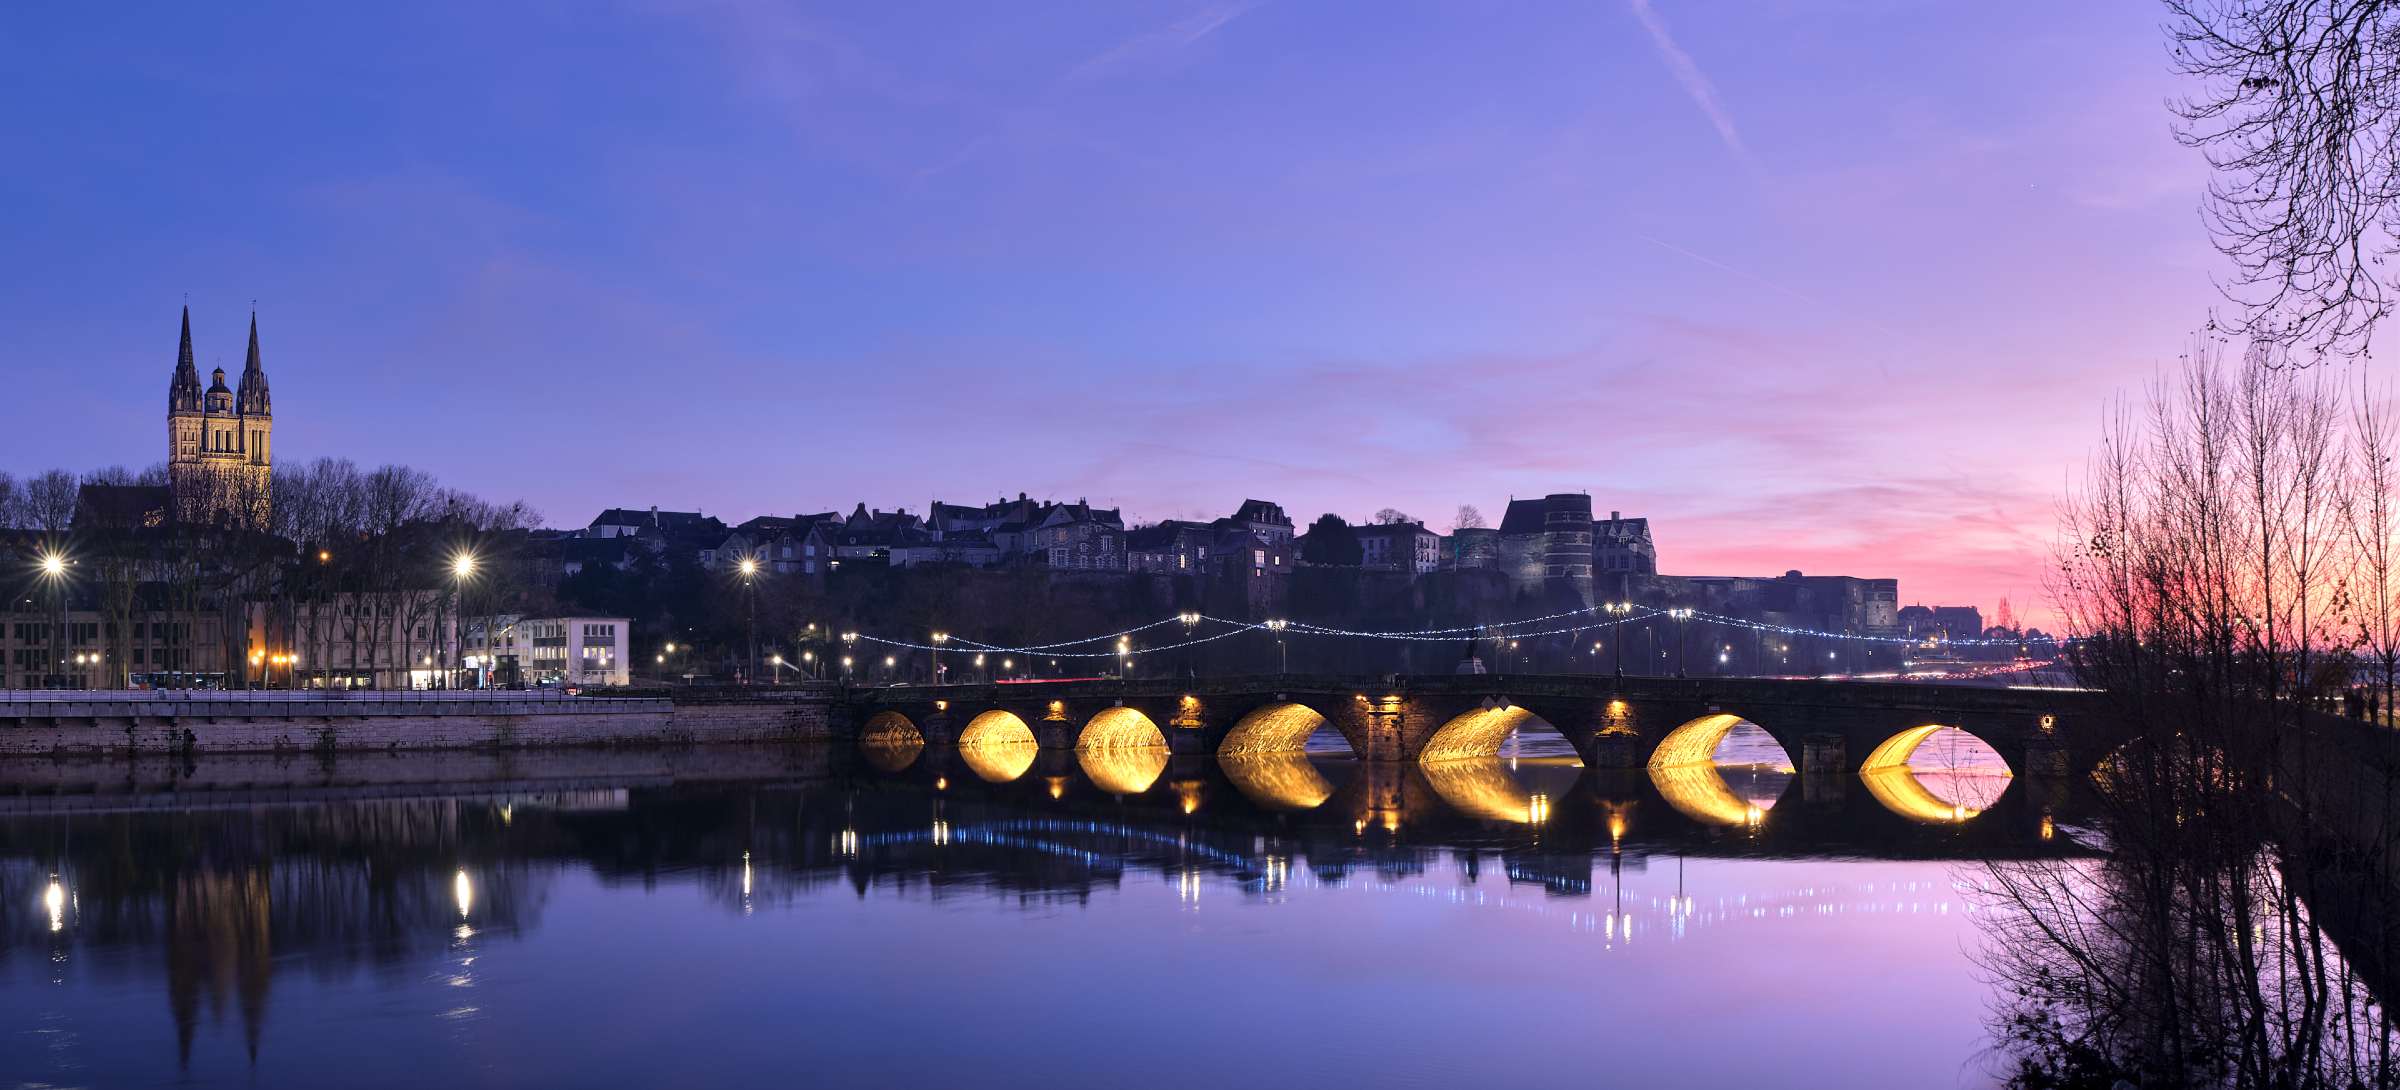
[(749, 570), (940, 640), (808, 664), (1681, 616), (1191, 623), (54, 572), (776, 661), (462, 568), (1620, 610), (1283, 661)]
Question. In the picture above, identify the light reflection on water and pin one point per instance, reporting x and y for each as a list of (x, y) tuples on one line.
[(1358, 925)]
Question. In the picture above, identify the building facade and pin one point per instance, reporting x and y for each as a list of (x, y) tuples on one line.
[(508, 652)]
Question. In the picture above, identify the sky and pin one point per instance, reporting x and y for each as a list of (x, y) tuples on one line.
[(1842, 286)]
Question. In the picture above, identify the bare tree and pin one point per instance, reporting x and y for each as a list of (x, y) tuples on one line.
[(50, 501), (2374, 519), (2207, 569), (1469, 517), (2296, 112), (1392, 516)]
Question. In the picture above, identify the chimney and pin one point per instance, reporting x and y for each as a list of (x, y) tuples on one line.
[(1613, 516), (654, 516)]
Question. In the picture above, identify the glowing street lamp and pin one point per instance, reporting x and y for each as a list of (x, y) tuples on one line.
[(749, 570)]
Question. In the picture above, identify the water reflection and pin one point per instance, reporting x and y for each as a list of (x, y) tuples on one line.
[(1702, 793), (1481, 788), (1000, 762), (1123, 770), (1278, 781), (217, 913)]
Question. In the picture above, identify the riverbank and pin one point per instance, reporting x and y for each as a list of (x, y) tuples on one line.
[(132, 724)]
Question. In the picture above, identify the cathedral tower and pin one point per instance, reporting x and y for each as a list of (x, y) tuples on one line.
[(219, 440)]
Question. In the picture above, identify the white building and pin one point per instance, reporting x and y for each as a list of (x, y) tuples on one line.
[(578, 651)]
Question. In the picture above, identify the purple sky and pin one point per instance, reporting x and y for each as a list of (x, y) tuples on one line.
[(1832, 286)]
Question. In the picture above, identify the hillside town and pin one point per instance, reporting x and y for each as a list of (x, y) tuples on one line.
[(222, 568)]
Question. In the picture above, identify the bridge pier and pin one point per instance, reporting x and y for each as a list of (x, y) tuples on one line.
[(1617, 751), (1825, 755)]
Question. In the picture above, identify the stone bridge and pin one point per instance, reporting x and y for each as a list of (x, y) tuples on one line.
[(1824, 726)]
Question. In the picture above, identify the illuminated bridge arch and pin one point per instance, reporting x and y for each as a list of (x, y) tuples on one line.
[(1121, 728), (1479, 732), (1684, 769), (998, 727), (1896, 783), (890, 741), (1895, 751), (998, 746), (1696, 742), (1281, 727), (889, 728)]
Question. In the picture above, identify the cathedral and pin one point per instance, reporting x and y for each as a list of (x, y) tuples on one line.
[(219, 440)]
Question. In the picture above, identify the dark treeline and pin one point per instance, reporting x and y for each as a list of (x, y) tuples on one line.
[(382, 541)]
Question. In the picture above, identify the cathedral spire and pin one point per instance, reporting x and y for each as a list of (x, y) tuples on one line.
[(253, 400), (183, 393)]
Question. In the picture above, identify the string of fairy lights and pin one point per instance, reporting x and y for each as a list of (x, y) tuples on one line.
[(1601, 616)]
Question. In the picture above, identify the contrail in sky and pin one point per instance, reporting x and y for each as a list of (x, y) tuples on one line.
[(1695, 82)]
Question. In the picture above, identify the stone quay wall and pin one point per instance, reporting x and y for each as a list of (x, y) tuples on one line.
[(130, 724)]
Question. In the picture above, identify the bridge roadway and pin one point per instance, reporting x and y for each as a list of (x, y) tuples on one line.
[(1632, 722)]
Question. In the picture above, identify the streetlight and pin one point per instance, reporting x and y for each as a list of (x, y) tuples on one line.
[(1191, 621), (808, 663), (1619, 610), (462, 568), (54, 572), (940, 639), (776, 661), (749, 570), (1282, 658), (1681, 616)]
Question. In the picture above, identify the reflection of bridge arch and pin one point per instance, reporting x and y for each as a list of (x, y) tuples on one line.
[(1481, 788), (999, 762), (1479, 732), (1121, 728), (1281, 727), (1123, 770), (1901, 792), (1280, 781), (1699, 792)]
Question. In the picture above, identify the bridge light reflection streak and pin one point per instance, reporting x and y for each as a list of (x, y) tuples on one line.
[(1123, 770), (1281, 781)]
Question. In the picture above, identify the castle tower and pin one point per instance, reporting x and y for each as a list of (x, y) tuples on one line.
[(219, 440)]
